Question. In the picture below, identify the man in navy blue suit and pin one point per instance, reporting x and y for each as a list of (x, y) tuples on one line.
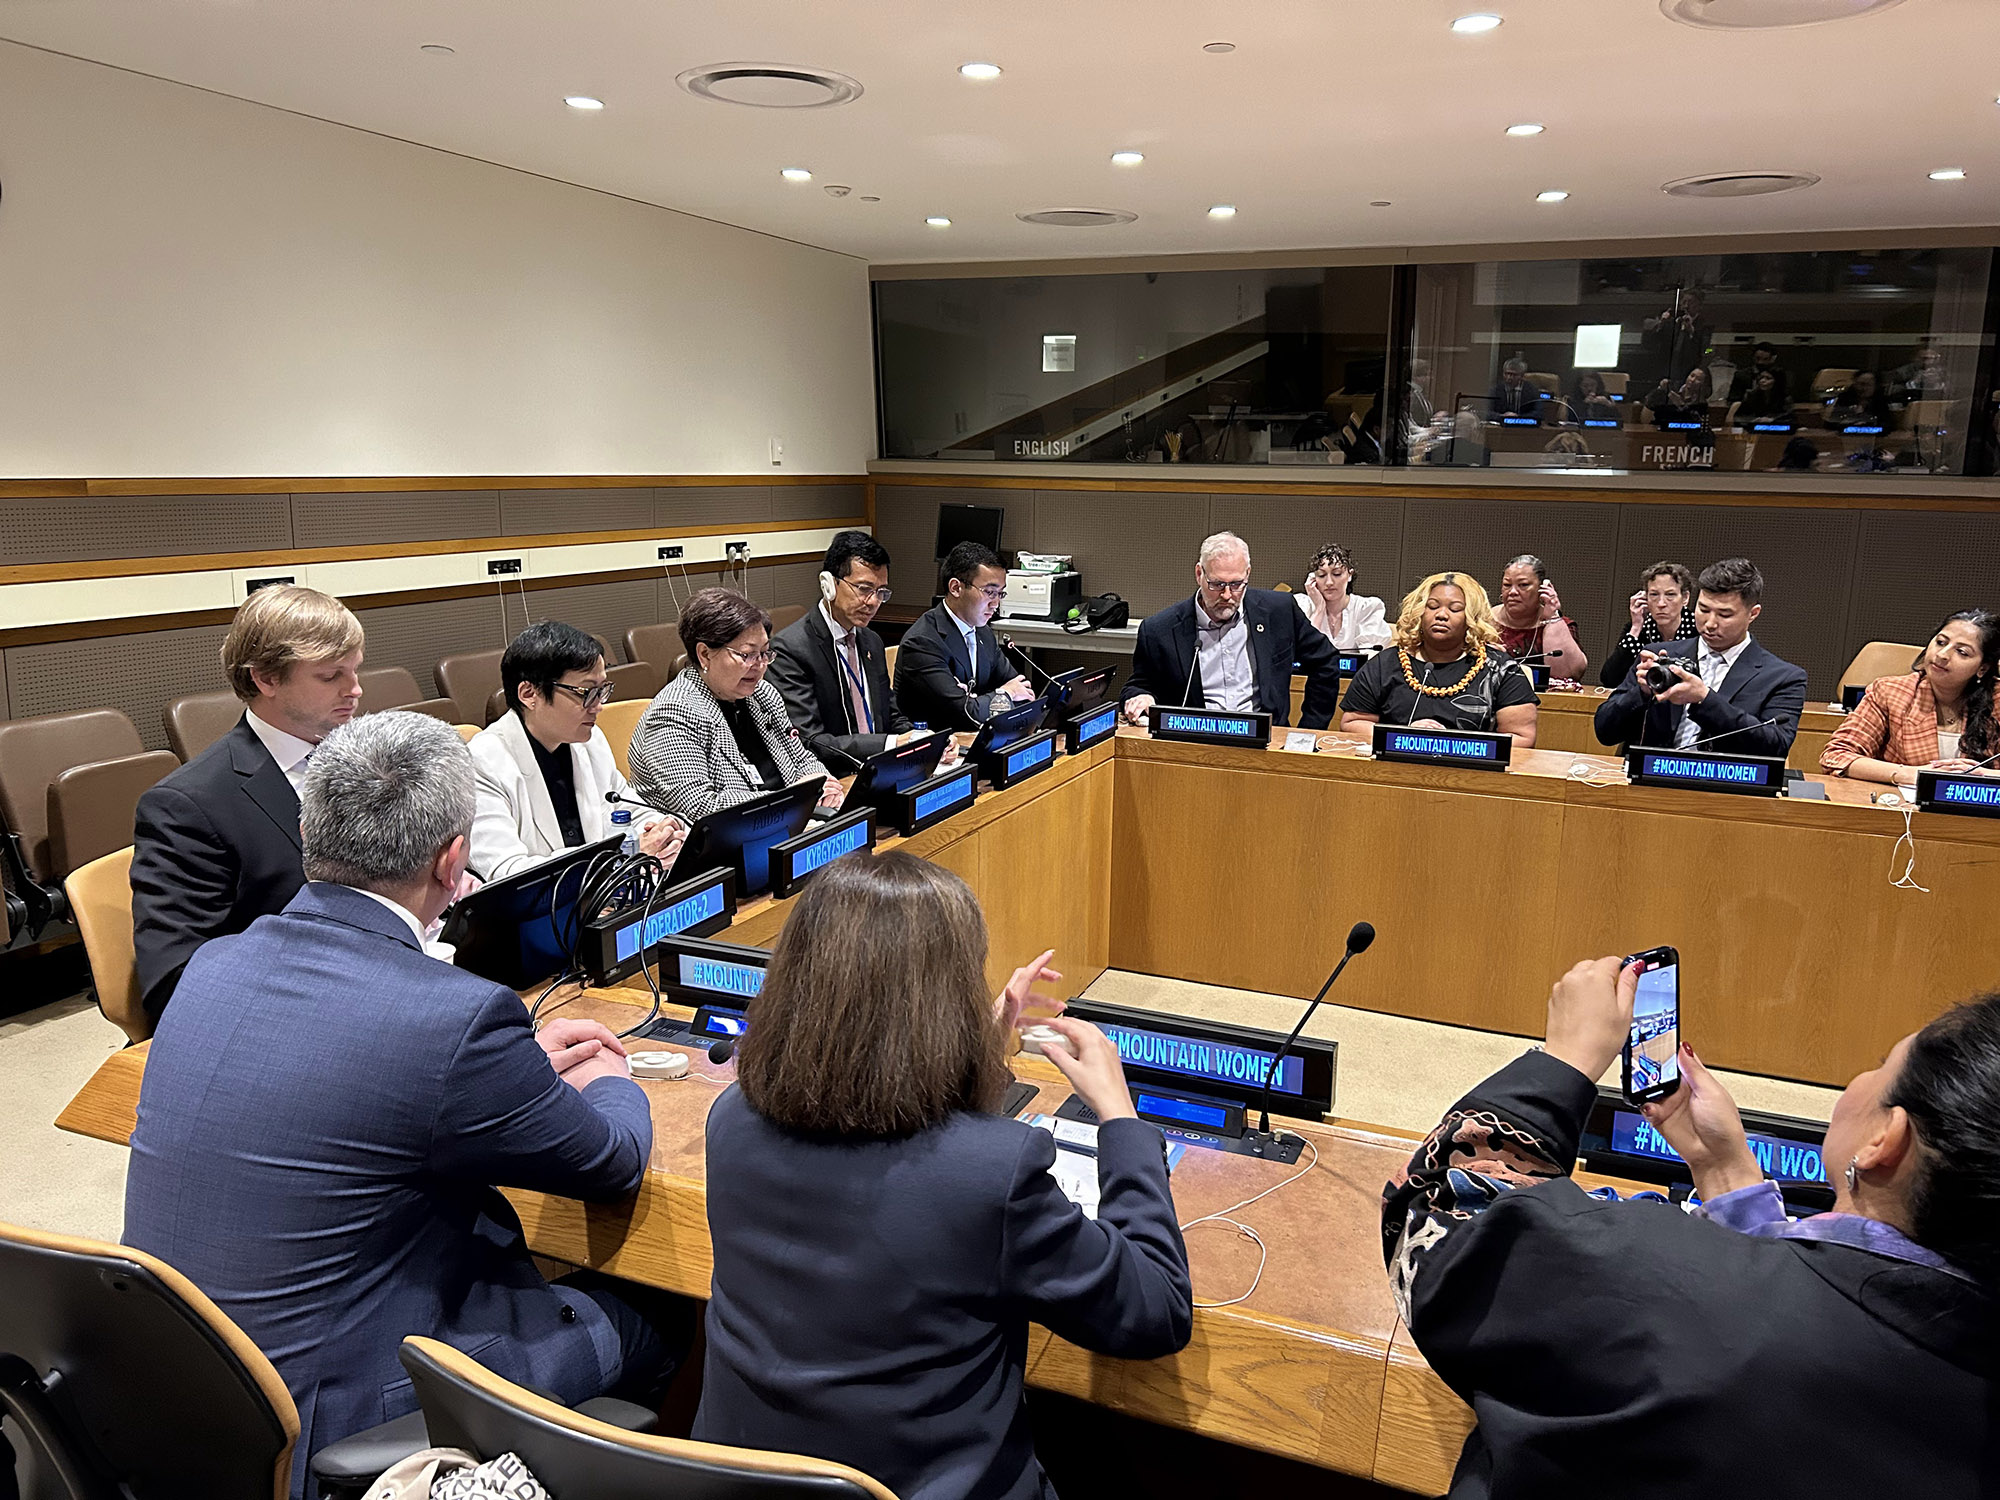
[(1231, 647), (328, 1110), (1729, 694)]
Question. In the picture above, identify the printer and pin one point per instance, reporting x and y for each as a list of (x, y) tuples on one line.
[(1041, 587)]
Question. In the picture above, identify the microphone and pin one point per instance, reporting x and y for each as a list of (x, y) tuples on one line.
[(722, 1051), (853, 761), (1025, 659), (1359, 937), (615, 797), (1711, 739)]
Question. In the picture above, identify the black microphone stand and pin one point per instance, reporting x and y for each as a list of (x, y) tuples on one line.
[(1263, 1141)]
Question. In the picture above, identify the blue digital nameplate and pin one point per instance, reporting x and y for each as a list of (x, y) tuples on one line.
[(1602, 422), (1349, 662), (1188, 1114), (1699, 770), (1444, 747), (1209, 1060), (1772, 427), (1022, 759), (797, 860), (1089, 729), (935, 800), (1537, 674), (719, 976), (1971, 796), (1787, 1161), (719, 1021), (1519, 422), (1863, 429), (1851, 694), (693, 908), (1208, 727)]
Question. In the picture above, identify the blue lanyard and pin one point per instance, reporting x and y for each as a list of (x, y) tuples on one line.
[(867, 712)]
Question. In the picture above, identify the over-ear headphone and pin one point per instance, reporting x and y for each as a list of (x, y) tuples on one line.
[(826, 586)]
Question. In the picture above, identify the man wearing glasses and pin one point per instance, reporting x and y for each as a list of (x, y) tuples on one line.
[(831, 667), (1231, 648), (544, 766), (951, 672)]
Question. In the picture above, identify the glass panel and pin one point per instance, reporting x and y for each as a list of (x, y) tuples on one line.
[(1254, 367), (1818, 362)]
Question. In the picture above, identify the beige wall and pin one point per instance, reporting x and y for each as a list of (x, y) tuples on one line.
[(191, 285)]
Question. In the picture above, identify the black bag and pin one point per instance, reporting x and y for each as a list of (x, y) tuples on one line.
[(1098, 612)]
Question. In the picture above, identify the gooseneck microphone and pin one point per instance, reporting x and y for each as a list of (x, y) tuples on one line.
[(1725, 734), (1359, 937), (1024, 659), (720, 1052), (615, 798), (853, 761)]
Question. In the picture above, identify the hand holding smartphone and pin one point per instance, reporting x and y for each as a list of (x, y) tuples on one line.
[(1651, 1058)]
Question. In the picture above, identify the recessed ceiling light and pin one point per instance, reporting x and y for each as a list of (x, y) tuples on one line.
[(1526, 127), (770, 85), (796, 174), (583, 102), (871, 197), (1381, 203), (1752, 15), (1223, 211), (938, 221), (1948, 174), (1218, 48), (1126, 158), (1473, 24), (981, 72), (437, 49), (1553, 195)]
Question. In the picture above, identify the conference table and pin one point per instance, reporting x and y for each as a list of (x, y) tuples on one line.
[(1244, 867)]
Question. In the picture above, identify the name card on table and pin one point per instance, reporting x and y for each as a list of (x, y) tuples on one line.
[(1703, 771), (796, 860), (1022, 759), (935, 800), (1953, 792), (618, 944), (1444, 747), (1209, 727), (1091, 728)]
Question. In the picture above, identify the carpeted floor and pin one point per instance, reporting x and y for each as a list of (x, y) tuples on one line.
[(50, 1179)]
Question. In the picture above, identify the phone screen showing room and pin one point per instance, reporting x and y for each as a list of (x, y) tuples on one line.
[(1656, 1030)]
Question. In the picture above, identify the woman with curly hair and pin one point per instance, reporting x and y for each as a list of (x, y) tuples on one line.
[(1443, 669)]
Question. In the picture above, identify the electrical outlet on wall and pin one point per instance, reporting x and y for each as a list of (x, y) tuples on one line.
[(506, 566), (777, 451), (736, 551), (670, 554)]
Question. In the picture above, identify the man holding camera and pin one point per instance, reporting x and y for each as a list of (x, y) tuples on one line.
[(1720, 692)]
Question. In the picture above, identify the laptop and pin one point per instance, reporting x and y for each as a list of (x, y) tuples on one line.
[(739, 838), (521, 930)]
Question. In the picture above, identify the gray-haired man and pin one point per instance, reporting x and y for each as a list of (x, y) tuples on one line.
[(327, 1111)]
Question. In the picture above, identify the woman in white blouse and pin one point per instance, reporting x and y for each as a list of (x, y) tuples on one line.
[(1351, 621)]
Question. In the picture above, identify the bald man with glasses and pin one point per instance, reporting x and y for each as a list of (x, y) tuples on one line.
[(1231, 648)]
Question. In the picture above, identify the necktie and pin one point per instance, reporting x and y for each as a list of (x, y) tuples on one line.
[(1713, 669), (864, 722)]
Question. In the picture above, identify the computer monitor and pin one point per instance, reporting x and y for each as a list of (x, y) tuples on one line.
[(1078, 692), (968, 523), (519, 931), (882, 776), (1004, 728), (739, 838)]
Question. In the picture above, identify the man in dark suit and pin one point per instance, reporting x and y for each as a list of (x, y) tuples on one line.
[(831, 668), (1727, 685), (950, 670), (1231, 647), (328, 1110), (216, 844)]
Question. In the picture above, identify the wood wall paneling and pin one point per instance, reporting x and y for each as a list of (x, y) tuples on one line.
[(387, 517), (1285, 530), (88, 528), (707, 505), (139, 675), (625, 508), (1911, 571), (1141, 545), (819, 502)]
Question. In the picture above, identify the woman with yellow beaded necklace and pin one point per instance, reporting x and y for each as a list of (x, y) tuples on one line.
[(1441, 670)]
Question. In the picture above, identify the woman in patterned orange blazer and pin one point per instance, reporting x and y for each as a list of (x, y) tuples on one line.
[(1938, 716)]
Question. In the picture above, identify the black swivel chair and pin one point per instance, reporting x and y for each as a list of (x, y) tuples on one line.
[(467, 1406)]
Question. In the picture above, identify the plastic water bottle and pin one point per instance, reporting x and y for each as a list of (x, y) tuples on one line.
[(621, 821)]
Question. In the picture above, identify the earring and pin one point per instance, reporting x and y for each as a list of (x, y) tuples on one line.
[(1853, 1172)]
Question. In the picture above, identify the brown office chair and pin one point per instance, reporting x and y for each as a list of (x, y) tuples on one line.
[(636, 679), (658, 644), (571, 1454), (496, 705), (199, 720), (786, 614), (92, 807), (121, 1377), (470, 679), (1879, 659), (619, 719), (466, 731), (100, 900), (388, 687), (889, 660), (33, 752)]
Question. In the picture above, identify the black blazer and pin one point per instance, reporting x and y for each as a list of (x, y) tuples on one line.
[(1630, 1349), (934, 681), (1760, 686), (813, 682), (871, 1298), (214, 847), (1280, 634)]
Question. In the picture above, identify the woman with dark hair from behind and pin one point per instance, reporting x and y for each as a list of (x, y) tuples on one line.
[(1662, 610), (1938, 716), (882, 1236), (1728, 1351)]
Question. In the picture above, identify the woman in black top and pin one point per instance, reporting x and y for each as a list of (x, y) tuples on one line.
[(1442, 669), (1662, 610), (882, 1236), (1631, 1349), (1862, 404)]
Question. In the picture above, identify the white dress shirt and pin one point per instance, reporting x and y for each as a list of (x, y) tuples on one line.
[(1228, 683), (1713, 667), (427, 940), (287, 749), (971, 634), (1365, 622)]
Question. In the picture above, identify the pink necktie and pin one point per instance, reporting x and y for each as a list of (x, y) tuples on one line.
[(856, 698)]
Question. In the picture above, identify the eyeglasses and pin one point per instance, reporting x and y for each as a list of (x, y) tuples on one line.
[(591, 697), (867, 593), (1222, 586), (993, 591), (753, 658)]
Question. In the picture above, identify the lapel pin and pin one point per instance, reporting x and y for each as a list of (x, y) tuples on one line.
[(1260, 630)]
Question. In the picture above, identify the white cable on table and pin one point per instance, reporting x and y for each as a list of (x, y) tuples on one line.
[(1907, 881), (1263, 1250)]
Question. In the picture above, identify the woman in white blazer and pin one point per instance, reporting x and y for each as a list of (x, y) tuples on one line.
[(546, 773), (1353, 622)]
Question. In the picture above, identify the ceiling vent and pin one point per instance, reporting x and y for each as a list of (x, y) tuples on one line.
[(1739, 184), (770, 85), (1757, 15), (1078, 218)]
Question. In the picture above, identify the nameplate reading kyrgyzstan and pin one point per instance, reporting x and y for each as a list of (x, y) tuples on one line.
[(1022, 759), (935, 800), (796, 860), (1208, 726), (615, 946), (1968, 795), (1092, 728), (1444, 747), (1704, 771)]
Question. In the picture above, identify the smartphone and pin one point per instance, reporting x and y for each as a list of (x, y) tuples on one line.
[(1652, 1050)]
